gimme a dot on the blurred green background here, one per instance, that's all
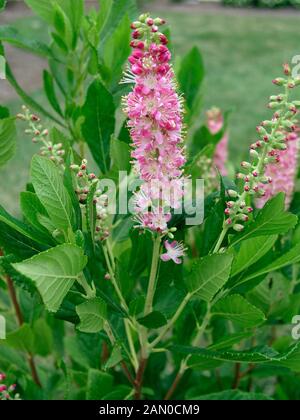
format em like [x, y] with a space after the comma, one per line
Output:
[243, 50]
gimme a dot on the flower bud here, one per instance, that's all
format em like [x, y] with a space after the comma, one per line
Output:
[246, 165]
[158, 21]
[254, 154]
[237, 227]
[287, 69]
[279, 81]
[143, 17]
[232, 193]
[163, 39]
[107, 276]
[149, 21]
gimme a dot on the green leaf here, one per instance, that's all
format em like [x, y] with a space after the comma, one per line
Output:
[21, 339]
[99, 124]
[153, 320]
[209, 274]
[203, 137]
[115, 357]
[43, 8]
[266, 355]
[230, 340]
[120, 155]
[20, 227]
[272, 219]
[63, 26]
[4, 112]
[50, 92]
[213, 227]
[31, 208]
[121, 392]
[92, 315]
[49, 187]
[116, 51]
[237, 309]
[251, 251]
[99, 384]
[191, 75]
[43, 338]
[8, 137]
[290, 257]
[12, 36]
[54, 272]
[117, 10]
[232, 395]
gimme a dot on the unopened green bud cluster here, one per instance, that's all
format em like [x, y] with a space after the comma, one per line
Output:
[272, 137]
[84, 186]
[40, 135]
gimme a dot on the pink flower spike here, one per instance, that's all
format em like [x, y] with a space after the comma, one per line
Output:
[175, 250]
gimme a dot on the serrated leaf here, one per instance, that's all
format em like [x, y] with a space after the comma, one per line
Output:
[154, 320]
[251, 251]
[49, 187]
[237, 309]
[266, 355]
[99, 124]
[8, 137]
[92, 315]
[209, 274]
[54, 272]
[230, 340]
[272, 219]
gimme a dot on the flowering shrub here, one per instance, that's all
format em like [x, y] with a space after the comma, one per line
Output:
[126, 281]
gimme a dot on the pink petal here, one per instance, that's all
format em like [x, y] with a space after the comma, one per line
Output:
[165, 257]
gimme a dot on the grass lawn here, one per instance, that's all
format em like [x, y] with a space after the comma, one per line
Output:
[242, 54]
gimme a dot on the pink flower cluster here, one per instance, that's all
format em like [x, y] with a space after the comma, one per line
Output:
[283, 173]
[154, 110]
[6, 391]
[215, 123]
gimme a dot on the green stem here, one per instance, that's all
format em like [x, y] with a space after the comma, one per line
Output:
[135, 361]
[152, 278]
[113, 279]
[89, 291]
[184, 363]
[221, 239]
[109, 258]
[172, 321]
